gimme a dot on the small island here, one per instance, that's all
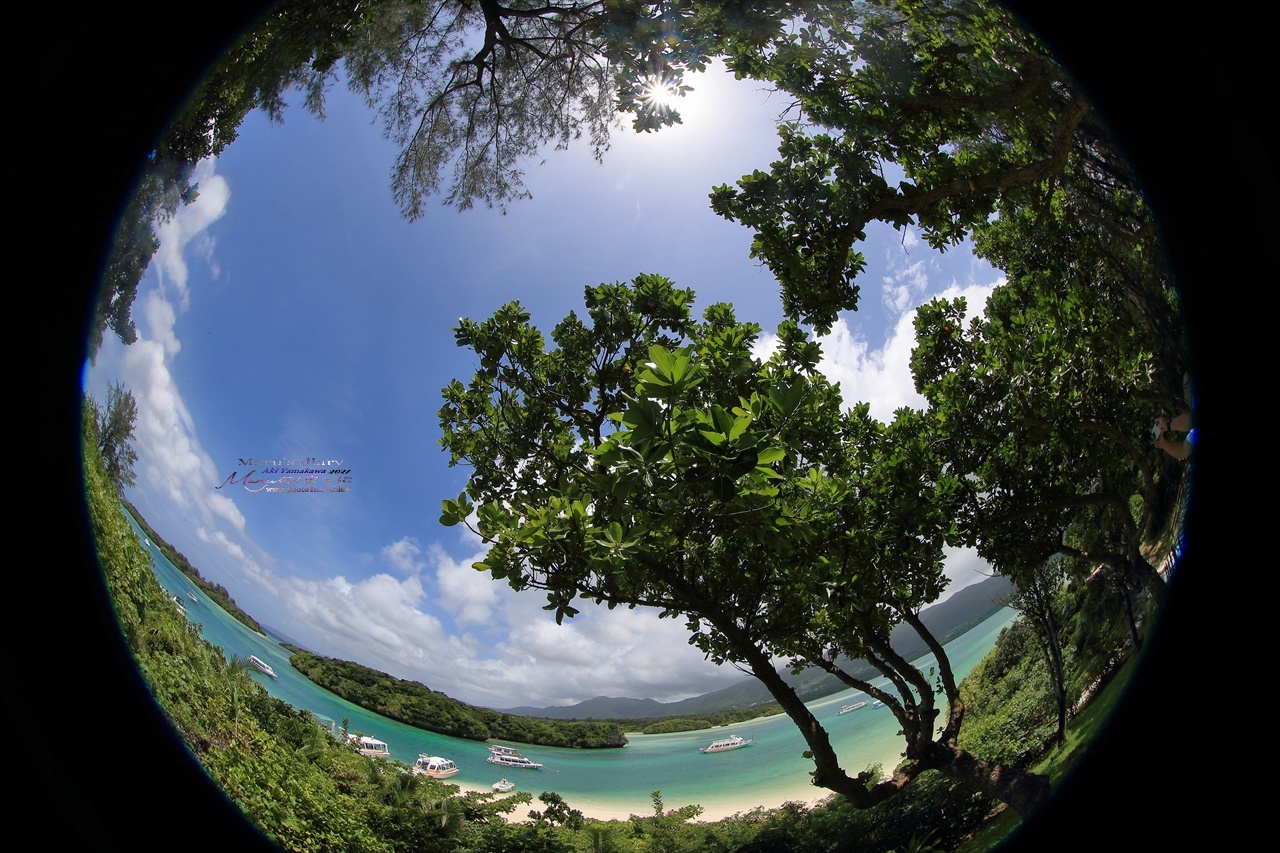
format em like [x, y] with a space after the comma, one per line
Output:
[417, 705]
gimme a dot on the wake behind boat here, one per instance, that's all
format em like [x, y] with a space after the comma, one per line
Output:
[262, 666]
[726, 744]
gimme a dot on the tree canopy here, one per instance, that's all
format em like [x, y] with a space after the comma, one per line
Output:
[113, 433]
[649, 459]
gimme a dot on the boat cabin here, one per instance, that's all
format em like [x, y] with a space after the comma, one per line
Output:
[370, 746]
[435, 766]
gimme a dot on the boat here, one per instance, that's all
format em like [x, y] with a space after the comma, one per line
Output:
[366, 745]
[503, 750]
[726, 744]
[503, 759]
[844, 709]
[261, 665]
[192, 596]
[435, 766]
[877, 704]
[503, 785]
[178, 604]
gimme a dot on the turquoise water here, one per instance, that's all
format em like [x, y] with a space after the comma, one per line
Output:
[609, 782]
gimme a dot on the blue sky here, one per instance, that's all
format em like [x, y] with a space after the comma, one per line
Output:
[291, 312]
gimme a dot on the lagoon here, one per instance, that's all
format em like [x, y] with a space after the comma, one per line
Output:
[609, 783]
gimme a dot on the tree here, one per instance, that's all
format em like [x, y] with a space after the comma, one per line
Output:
[1034, 596]
[481, 86]
[293, 45]
[1045, 406]
[114, 428]
[953, 96]
[650, 460]
[1040, 408]
[485, 86]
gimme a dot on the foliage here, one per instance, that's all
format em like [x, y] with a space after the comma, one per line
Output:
[556, 813]
[113, 432]
[213, 591]
[162, 187]
[1009, 700]
[310, 792]
[485, 87]
[301, 787]
[293, 45]
[952, 94]
[650, 460]
[417, 705]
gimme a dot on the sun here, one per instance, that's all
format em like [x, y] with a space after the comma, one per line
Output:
[660, 94]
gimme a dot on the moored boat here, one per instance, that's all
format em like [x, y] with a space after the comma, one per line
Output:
[261, 666]
[726, 744]
[503, 785]
[844, 709]
[192, 596]
[507, 759]
[371, 746]
[503, 750]
[435, 766]
[877, 704]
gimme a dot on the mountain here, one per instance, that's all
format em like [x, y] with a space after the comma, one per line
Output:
[947, 620]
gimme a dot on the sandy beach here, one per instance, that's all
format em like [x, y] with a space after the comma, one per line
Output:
[714, 807]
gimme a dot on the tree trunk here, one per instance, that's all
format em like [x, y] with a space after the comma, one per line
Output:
[1023, 791]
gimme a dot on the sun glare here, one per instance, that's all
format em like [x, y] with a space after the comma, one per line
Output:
[660, 94]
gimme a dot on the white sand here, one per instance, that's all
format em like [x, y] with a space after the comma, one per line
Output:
[714, 808]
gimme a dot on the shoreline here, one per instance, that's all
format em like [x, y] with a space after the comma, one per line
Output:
[714, 809]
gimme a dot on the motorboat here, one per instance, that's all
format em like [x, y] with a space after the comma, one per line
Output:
[370, 746]
[435, 766]
[504, 759]
[503, 750]
[726, 744]
[192, 596]
[877, 704]
[503, 785]
[844, 709]
[262, 666]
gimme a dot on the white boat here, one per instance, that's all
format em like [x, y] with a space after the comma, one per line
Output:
[503, 785]
[503, 750]
[435, 766]
[504, 759]
[726, 744]
[877, 704]
[262, 666]
[366, 745]
[844, 709]
[192, 596]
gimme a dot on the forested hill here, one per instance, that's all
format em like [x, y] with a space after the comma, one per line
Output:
[214, 591]
[417, 705]
[947, 620]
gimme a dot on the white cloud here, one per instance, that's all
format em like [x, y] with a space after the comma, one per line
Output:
[187, 230]
[402, 555]
[466, 593]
